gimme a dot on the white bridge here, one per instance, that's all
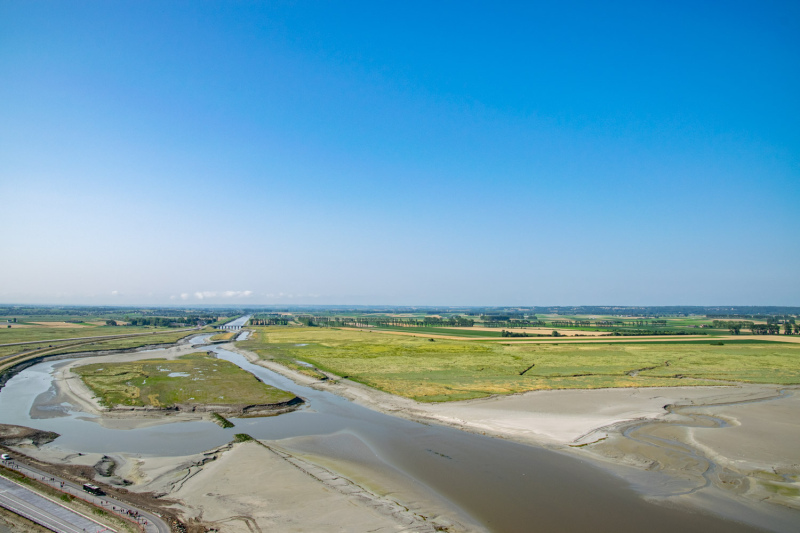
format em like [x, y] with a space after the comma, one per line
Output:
[235, 325]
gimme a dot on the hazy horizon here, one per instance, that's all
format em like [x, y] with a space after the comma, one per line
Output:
[352, 153]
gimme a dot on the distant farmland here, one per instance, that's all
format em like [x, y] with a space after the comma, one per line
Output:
[444, 370]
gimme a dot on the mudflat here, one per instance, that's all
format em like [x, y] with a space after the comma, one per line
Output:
[232, 493]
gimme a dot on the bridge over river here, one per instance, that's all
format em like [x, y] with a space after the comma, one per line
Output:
[235, 325]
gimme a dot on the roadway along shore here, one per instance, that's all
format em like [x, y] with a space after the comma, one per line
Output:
[146, 520]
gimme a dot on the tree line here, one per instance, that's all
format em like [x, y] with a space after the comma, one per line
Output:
[516, 324]
[166, 321]
[771, 328]
[271, 321]
[358, 322]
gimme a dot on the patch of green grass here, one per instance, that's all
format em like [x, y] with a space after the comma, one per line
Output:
[242, 437]
[192, 379]
[222, 421]
[751, 363]
[43, 333]
[781, 490]
[456, 370]
[130, 342]
[161, 336]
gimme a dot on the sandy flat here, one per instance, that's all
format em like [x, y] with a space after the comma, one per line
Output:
[252, 488]
[563, 416]
[744, 439]
[347, 454]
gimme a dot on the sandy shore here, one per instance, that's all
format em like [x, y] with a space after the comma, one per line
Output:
[733, 445]
[267, 486]
[300, 496]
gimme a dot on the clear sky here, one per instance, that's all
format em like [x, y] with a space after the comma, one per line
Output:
[429, 153]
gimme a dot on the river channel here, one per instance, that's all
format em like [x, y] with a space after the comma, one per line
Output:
[504, 486]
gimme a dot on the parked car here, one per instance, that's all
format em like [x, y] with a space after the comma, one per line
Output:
[5, 457]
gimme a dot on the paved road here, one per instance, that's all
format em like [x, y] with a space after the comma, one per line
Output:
[150, 522]
[41, 510]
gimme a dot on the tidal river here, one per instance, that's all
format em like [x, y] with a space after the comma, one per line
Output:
[504, 486]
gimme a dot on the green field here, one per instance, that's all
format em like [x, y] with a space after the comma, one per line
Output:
[453, 332]
[36, 333]
[200, 380]
[161, 336]
[444, 370]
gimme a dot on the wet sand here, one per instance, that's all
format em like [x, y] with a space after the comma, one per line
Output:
[299, 496]
[268, 486]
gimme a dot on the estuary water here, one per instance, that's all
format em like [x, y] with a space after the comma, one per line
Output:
[504, 486]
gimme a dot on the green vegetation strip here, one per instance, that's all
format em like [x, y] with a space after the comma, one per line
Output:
[222, 421]
[224, 336]
[195, 379]
[452, 332]
[75, 346]
[36, 332]
[129, 343]
[448, 370]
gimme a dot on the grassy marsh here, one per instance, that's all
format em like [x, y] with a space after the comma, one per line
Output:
[192, 379]
[446, 370]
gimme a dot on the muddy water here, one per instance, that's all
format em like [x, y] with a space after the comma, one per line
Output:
[502, 485]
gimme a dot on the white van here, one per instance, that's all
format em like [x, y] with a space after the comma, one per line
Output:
[5, 457]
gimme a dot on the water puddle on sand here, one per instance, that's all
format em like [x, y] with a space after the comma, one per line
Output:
[503, 485]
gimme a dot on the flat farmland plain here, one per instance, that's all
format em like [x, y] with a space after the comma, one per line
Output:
[445, 370]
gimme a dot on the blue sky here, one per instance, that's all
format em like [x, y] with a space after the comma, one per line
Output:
[374, 153]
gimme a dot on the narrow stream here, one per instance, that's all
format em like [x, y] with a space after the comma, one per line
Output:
[505, 486]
